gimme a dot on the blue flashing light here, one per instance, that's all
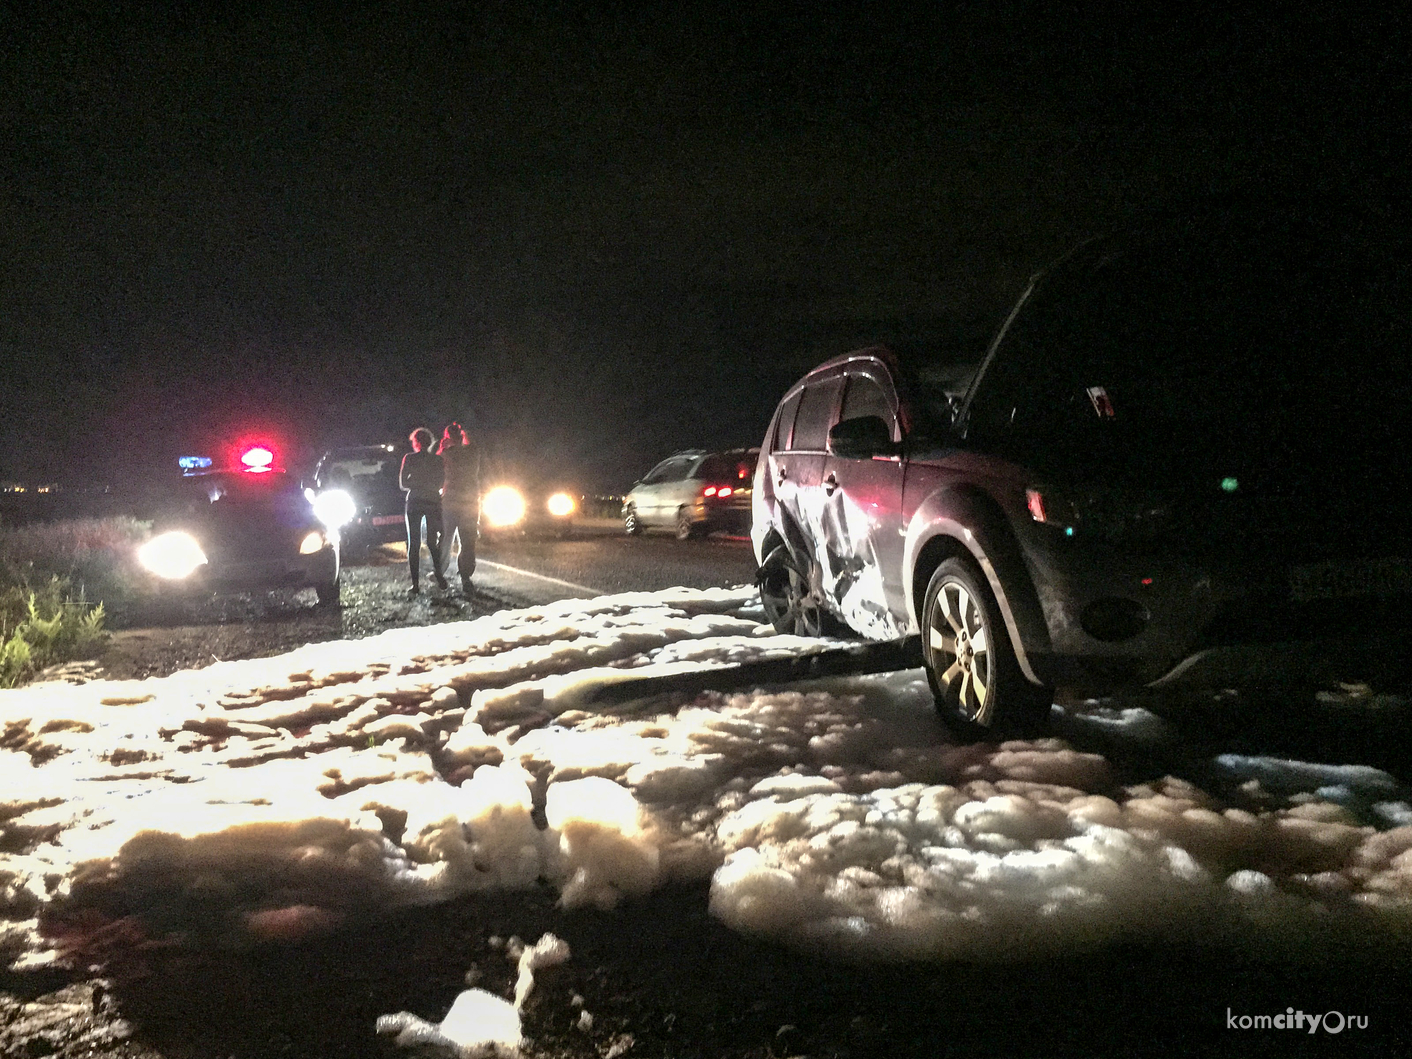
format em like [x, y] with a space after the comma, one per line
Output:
[1068, 531]
[193, 463]
[1229, 485]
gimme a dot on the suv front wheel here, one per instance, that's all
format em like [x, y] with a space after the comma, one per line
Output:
[979, 689]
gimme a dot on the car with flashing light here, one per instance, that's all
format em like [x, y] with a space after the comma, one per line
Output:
[354, 488]
[246, 527]
[694, 492]
[1177, 468]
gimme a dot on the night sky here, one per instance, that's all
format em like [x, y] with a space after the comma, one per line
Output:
[593, 234]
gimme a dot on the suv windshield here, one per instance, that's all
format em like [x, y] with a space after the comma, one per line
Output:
[1166, 362]
[358, 469]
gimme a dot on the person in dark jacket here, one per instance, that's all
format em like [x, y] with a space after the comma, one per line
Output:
[421, 478]
[460, 501]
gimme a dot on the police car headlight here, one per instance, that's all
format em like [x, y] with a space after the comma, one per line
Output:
[561, 505]
[313, 542]
[503, 506]
[334, 508]
[172, 555]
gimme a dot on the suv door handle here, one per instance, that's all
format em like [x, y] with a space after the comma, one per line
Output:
[780, 476]
[830, 484]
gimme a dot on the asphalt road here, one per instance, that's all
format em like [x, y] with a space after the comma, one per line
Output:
[600, 558]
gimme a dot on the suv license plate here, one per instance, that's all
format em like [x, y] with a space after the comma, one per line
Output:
[1358, 577]
[386, 520]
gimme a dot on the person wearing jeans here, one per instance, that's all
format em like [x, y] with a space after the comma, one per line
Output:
[421, 479]
[460, 500]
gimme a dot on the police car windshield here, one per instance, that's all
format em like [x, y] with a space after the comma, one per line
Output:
[244, 488]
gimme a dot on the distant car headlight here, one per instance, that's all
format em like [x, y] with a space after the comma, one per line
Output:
[313, 542]
[334, 508]
[561, 505]
[172, 555]
[503, 506]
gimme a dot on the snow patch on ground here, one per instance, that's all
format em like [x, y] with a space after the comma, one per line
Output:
[282, 797]
[478, 1024]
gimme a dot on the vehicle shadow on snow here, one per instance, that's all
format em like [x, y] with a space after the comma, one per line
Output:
[1144, 737]
[660, 977]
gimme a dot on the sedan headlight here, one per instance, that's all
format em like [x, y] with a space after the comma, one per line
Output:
[560, 505]
[313, 542]
[503, 506]
[334, 508]
[172, 555]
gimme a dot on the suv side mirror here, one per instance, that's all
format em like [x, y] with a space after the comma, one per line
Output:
[862, 438]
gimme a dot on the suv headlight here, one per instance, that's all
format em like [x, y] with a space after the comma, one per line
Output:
[313, 542]
[560, 505]
[172, 555]
[1104, 513]
[334, 508]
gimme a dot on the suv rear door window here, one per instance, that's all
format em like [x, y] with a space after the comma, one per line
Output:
[811, 425]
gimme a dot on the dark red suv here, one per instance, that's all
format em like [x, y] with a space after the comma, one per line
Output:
[1181, 463]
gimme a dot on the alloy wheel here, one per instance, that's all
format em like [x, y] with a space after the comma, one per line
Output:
[959, 642]
[792, 602]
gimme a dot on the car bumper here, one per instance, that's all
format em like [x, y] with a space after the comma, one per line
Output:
[1116, 620]
[245, 575]
[723, 518]
[380, 529]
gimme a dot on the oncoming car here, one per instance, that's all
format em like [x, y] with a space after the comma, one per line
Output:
[694, 493]
[1176, 469]
[515, 505]
[229, 530]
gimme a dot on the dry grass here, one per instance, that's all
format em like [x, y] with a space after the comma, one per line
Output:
[96, 556]
[54, 580]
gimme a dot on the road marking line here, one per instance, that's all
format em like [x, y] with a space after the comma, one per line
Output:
[541, 577]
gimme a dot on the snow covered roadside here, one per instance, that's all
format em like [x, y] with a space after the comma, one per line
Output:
[275, 798]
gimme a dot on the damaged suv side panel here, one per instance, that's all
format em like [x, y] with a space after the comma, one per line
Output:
[1180, 464]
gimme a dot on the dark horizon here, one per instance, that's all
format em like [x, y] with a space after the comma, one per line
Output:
[597, 236]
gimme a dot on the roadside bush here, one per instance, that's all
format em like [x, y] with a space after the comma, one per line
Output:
[55, 578]
[96, 556]
[40, 628]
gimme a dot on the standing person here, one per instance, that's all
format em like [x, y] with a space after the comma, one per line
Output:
[461, 500]
[421, 478]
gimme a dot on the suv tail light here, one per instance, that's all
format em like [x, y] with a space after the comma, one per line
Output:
[721, 491]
